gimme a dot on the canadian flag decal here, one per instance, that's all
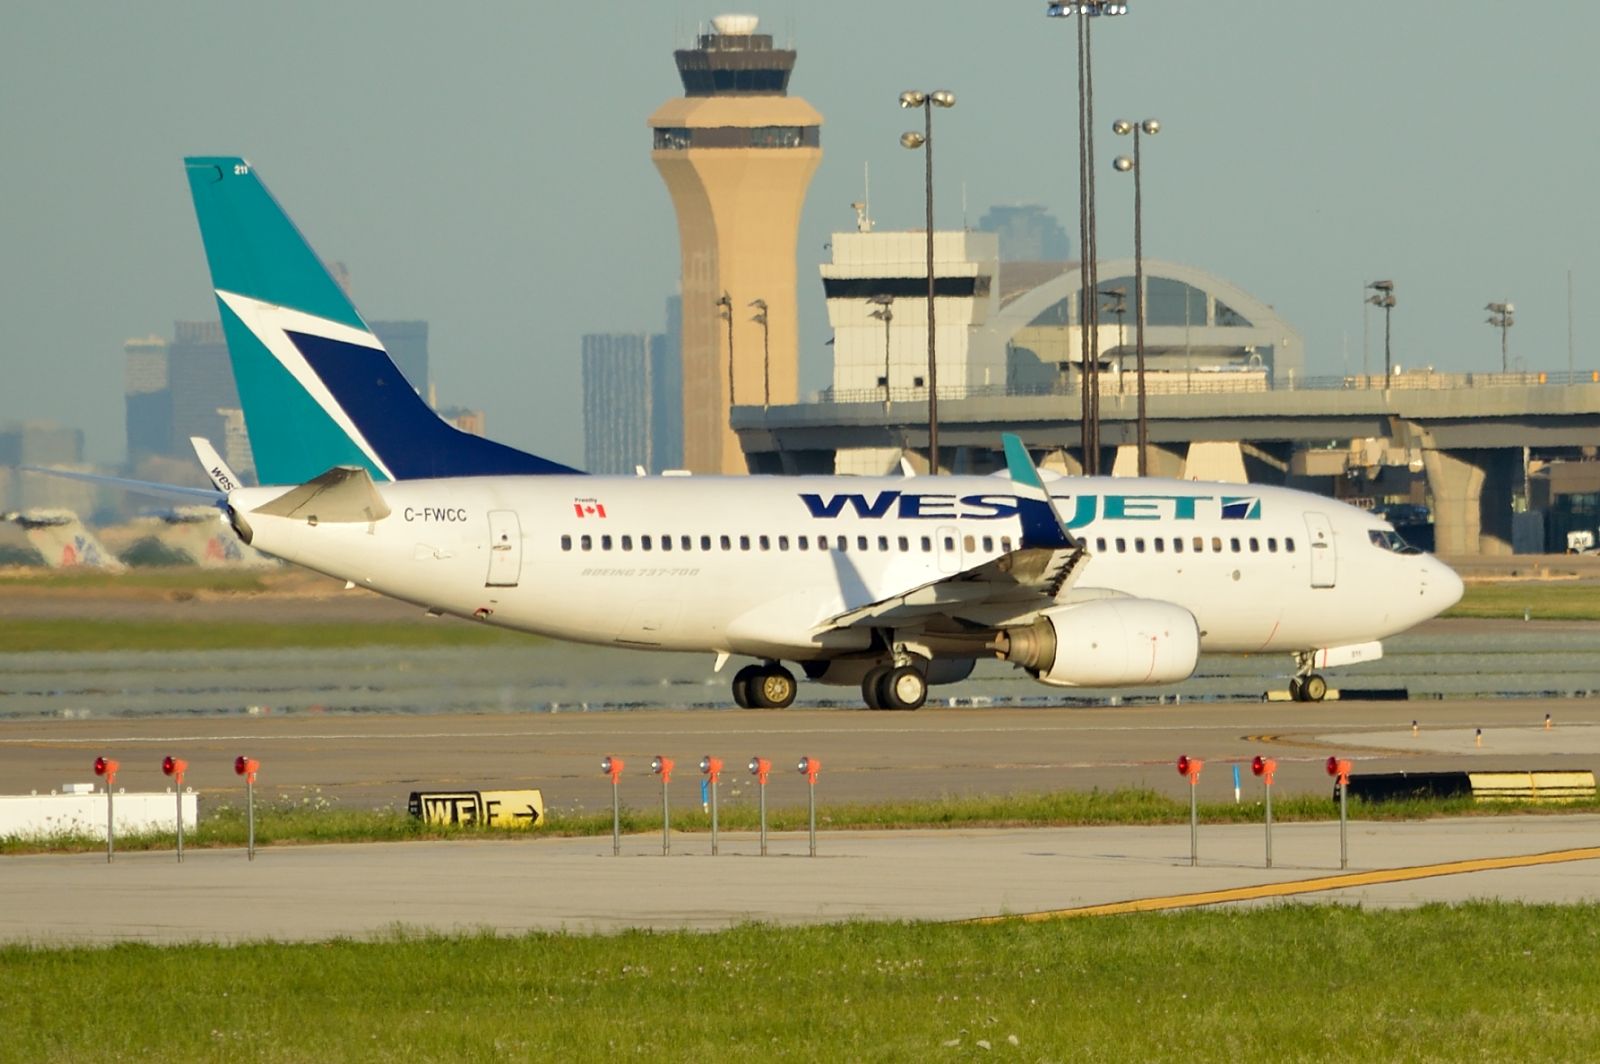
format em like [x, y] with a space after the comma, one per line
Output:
[589, 507]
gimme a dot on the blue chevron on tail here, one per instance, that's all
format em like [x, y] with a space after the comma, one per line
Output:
[317, 387]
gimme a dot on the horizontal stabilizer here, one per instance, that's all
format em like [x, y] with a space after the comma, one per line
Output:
[344, 494]
[194, 496]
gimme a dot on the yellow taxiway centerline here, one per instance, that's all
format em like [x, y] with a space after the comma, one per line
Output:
[1299, 886]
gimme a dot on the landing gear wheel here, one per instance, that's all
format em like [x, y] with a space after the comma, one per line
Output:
[1313, 689]
[871, 685]
[1297, 688]
[773, 687]
[904, 687]
[744, 682]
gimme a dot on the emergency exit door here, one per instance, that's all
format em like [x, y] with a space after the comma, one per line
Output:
[505, 549]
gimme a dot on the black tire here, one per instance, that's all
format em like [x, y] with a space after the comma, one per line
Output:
[772, 688]
[904, 687]
[1297, 688]
[871, 685]
[744, 682]
[1315, 688]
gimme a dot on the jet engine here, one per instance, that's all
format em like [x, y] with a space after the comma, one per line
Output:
[1113, 642]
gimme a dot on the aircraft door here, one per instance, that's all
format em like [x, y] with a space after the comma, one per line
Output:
[949, 548]
[1324, 560]
[505, 549]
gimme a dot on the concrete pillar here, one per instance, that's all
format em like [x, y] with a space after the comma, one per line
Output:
[1472, 498]
[1163, 463]
[1215, 460]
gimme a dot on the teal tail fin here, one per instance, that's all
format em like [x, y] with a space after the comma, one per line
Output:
[317, 387]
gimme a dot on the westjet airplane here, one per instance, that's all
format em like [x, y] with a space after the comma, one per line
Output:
[890, 583]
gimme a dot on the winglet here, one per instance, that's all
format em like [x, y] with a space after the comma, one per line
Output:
[1041, 523]
[223, 477]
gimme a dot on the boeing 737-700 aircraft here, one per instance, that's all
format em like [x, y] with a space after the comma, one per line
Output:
[891, 583]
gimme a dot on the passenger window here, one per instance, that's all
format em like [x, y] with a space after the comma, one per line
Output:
[969, 544]
[783, 542]
[566, 542]
[1138, 545]
[1234, 544]
[927, 544]
[1272, 544]
[666, 542]
[905, 544]
[686, 542]
[1255, 545]
[1199, 545]
[1005, 544]
[705, 542]
[727, 542]
[644, 542]
[861, 543]
[1160, 545]
[744, 542]
[804, 543]
[1122, 545]
[949, 543]
[1100, 544]
[883, 543]
[1177, 544]
[586, 542]
[1288, 544]
[822, 542]
[844, 543]
[605, 542]
[988, 544]
[627, 542]
[1216, 544]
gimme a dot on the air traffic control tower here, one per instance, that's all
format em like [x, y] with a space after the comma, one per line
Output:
[737, 153]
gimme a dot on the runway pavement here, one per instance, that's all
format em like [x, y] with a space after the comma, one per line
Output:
[575, 884]
[376, 760]
[319, 892]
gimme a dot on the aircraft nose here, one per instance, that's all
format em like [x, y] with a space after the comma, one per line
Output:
[1441, 587]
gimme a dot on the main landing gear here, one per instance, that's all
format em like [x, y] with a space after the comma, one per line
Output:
[765, 686]
[1305, 685]
[895, 687]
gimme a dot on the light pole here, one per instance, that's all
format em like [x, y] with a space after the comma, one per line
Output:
[1088, 311]
[924, 140]
[1502, 316]
[760, 318]
[885, 314]
[1383, 296]
[1122, 127]
[725, 310]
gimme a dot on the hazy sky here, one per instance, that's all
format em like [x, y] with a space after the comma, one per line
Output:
[486, 167]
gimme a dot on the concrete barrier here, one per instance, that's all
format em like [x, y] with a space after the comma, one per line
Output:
[84, 813]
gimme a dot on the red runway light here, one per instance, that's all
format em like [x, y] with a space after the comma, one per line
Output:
[1183, 764]
[1257, 765]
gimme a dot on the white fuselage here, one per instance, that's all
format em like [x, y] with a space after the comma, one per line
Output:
[738, 565]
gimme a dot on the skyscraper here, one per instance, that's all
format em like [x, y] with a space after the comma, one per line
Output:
[616, 402]
[737, 153]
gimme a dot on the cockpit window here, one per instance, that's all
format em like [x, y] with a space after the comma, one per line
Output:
[1388, 539]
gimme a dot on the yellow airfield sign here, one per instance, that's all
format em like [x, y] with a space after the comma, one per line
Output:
[494, 809]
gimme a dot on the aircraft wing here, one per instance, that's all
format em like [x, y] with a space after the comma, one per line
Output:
[1035, 575]
[1021, 582]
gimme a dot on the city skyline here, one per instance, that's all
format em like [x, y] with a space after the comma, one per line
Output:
[474, 170]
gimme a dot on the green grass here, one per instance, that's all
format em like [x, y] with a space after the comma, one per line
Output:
[313, 819]
[1492, 982]
[72, 634]
[1537, 601]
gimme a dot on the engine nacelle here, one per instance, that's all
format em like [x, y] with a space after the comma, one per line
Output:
[1113, 642]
